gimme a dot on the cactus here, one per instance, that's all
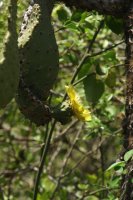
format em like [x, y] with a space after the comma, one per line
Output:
[9, 65]
[39, 62]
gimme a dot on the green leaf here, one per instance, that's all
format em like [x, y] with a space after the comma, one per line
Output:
[117, 164]
[48, 184]
[111, 79]
[87, 67]
[94, 88]
[128, 155]
[85, 70]
[72, 25]
[76, 15]
[92, 197]
[110, 56]
[115, 24]
[101, 70]
[44, 195]
[82, 186]
[62, 14]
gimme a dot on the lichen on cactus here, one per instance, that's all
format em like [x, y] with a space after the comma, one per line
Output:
[9, 65]
[39, 62]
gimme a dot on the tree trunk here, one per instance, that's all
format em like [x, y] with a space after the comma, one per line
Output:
[127, 183]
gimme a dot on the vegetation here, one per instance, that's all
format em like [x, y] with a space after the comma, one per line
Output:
[82, 162]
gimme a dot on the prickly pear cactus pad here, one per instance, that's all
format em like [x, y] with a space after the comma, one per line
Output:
[9, 65]
[39, 61]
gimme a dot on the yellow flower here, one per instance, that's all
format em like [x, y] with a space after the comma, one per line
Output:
[78, 109]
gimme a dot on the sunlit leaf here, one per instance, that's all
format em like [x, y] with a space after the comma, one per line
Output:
[117, 164]
[128, 155]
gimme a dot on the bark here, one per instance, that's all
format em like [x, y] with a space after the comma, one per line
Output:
[127, 184]
[106, 7]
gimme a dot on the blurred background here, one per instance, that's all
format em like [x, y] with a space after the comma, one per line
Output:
[80, 152]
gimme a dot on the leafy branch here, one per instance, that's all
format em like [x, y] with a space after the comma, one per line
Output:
[48, 139]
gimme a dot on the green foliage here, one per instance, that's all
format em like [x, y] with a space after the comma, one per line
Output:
[117, 164]
[128, 155]
[115, 24]
[94, 88]
[80, 153]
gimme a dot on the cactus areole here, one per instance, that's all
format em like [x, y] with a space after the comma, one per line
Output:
[39, 63]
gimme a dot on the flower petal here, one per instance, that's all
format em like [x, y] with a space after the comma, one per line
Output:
[80, 112]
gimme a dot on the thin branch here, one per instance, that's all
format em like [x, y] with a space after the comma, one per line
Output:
[104, 50]
[45, 138]
[12, 173]
[61, 176]
[60, 137]
[43, 159]
[101, 149]
[85, 54]
[53, 156]
[87, 51]
[84, 77]
[82, 159]
[46, 147]
[88, 193]
[65, 162]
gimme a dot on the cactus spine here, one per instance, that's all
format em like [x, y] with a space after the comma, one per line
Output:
[9, 65]
[39, 61]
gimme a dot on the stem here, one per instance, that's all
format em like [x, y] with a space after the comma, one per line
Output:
[1, 194]
[45, 138]
[48, 139]
[83, 78]
[43, 159]
[85, 55]
[68, 154]
[104, 50]
[87, 51]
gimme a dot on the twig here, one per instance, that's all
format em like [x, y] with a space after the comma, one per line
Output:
[53, 157]
[104, 50]
[43, 159]
[84, 77]
[45, 151]
[45, 138]
[56, 93]
[86, 54]
[65, 163]
[20, 171]
[82, 159]
[87, 51]
[59, 137]
[101, 149]
[88, 193]
[60, 29]
[93, 55]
